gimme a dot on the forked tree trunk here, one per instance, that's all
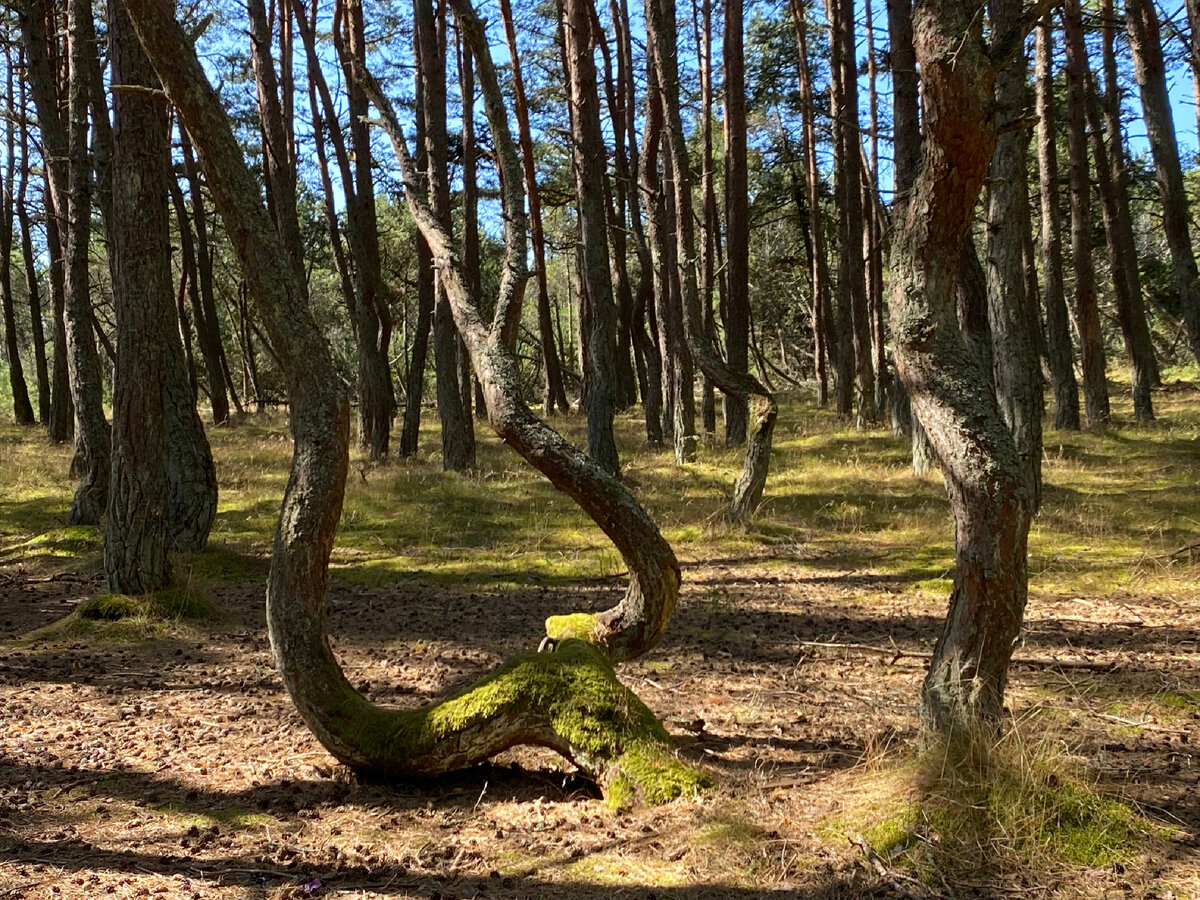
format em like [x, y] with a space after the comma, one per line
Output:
[989, 498]
[568, 700]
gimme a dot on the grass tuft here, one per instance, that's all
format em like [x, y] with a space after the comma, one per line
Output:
[977, 808]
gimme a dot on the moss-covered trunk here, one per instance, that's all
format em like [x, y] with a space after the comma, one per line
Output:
[568, 700]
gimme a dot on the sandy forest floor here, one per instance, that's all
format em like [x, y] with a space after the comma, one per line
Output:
[169, 762]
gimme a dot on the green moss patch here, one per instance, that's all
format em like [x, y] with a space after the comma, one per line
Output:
[580, 626]
[569, 699]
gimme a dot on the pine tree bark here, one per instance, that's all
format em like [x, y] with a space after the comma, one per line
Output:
[647, 350]
[736, 307]
[988, 493]
[661, 41]
[1059, 356]
[22, 408]
[1141, 23]
[853, 315]
[371, 318]
[1143, 346]
[32, 285]
[597, 309]
[1018, 376]
[93, 437]
[136, 537]
[208, 324]
[1087, 314]
[555, 394]
[818, 265]
[458, 436]
[1126, 306]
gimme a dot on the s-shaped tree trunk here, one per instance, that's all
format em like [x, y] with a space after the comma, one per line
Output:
[989, 497]
[568, 700]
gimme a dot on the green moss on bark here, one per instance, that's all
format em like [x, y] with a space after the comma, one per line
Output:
[581, 626]
[569, 700]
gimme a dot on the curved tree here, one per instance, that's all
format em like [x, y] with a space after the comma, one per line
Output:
[990, 498]
[568, 700]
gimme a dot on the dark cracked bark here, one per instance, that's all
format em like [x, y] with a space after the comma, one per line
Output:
[989, 498]
[567, 700]
[136, 537]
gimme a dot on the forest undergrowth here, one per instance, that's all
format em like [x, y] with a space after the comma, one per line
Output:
[147, 746]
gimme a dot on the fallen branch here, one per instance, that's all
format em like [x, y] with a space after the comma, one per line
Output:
[1036, 662]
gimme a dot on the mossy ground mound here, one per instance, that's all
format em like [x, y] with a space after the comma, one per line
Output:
[169, 604]
[979, 808]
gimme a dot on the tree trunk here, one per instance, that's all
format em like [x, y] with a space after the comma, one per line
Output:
[93, 437]
[818, 270]
[566, 700]
[876, 229]
[676, 364]
[1087, 315]
[643, 305]
[1143, 347]
[1018, 376]
[458, 436]
[988, 494]
[597, 318]
[737, 224]
[372, 320]
[661, 41]
[136, 538]
[854, 320]
[555, 393]
[1059, 358]
[208, 325]
[1141, 23]
[22, 408]
[1139, 372]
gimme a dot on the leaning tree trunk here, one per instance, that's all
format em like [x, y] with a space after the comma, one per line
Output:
[568, 700]
[989, 497]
